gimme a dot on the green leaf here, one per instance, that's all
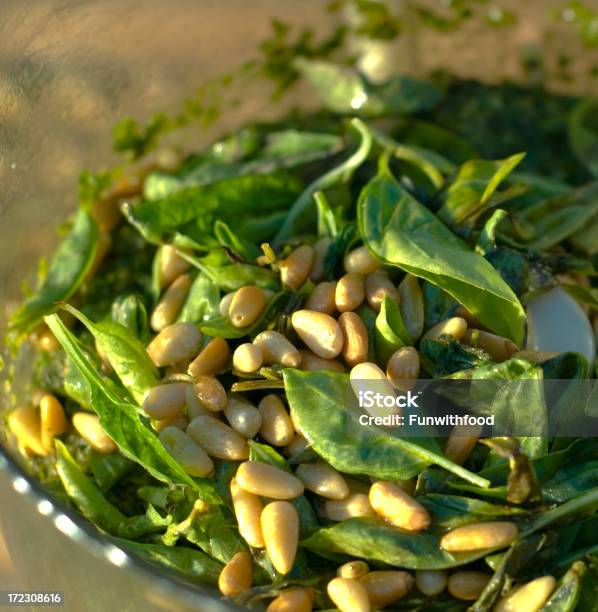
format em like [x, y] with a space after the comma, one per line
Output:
[108, 469]
[126, 354]
[202, 301]
[447, 356]
[318, 402]
[391, 333]
[583, 133]
[294, 146]
[66, 273]
[326, 220]
[228, 239]
[568, 590]
[487, 238]
[402, 232]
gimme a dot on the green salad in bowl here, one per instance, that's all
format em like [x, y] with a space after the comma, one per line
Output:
[198, 336]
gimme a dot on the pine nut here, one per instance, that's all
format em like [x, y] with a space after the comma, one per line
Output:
[218, 439]
[247, 305]
[367, 376]
[248, 509]
[472, 321]
[89, 428]
[322, 298]
[248, 358]
[497, 534]
[165, 401]
[277, 349]
[320, 251]
[180, 421]
[280, 526]
[297, 445]
[412, 306]
[52, 421]
[106, 213]
[46, 341]
[168, 308]
[348, 595]
[357, 486]
[295, 269]
[193, 459]
[171, 265]
[237, 575]
[353, 569]
[461, 442]
[377, 285]
[268, 481]
[356, 504]
[277, 427]
[360, 261]
[499, 348]
[403, 368]
[175, 343]
[210, 392]
[24, 423]
[319, 331]
[386, 587]
[455, 327]
[350, 292]
[529, 597]
[323, 480]
[194, 407]
[399, 508]
[225, 302]
[242, 416]
[355, 338]
[467, 585]
[431, 582]
[313, 363]
[293, 600]
[212, 359]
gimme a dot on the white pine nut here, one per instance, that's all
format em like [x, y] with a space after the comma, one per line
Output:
[247, 305]
[496, 534]
[225, 302]
[297, 445]
[412, 306]
[180, 421]
[322, 298]
[387, 586]
[397, 507]
[237, 575]
[323, 480]
[89, 428]
[529, 597]
[377, 285]
[168, 308]
[193, 459]
[210, 392]
[455, 327]
[280, 526]
[268, 481]
[171, 265]
[277, 349]
[353, 569]
[194, 407]
[403, 368]
[212, 359]
[499, 348]
[355, 338]
[313, 363]
[53, 421]
[248, 358]
[175, 343]
[431, 582]
[367, 376]
[350, 292]
[467, 586]
[356, 504]
[165, 401]
[295, 269]
[277, 427]
[24, 423]
[242, 416]
[360, 261]
[320, 332]
[218, 439]
[349, 595]
[248, 509]
[461, 442]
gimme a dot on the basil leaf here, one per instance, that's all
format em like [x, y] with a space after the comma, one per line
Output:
[487, 238]
[402, 232]
[566, 595]
[129, 310]
[391, 333]
[583, 133]
[318, 406]
[228, 239]
[66, 273]
[202, 301]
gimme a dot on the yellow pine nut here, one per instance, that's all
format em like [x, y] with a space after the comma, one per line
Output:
[280, 526]
[180, 421]
[89, 428]
[248, 509]
[461, 442]
[478, 536]
[398, 507]
[268, 481]
[313, 363]
[455, 327]
[194, 407]
[46, 341]
[106, 213]
[248, 358]
[355, 338]
[237, 575]
[350, 292]
[165, 401]
[386, 587]
[499, 348]
[193, 459]
[218, 439]
[431, 582]
[360, 261]
[322, 480]
[171, 265]
[293, 600]
[320, 332]
[277, 349]
[52, 421]
[353, 569]
[472, 321]
[367, 376]
[277, 427]
[403, 368]
[168, 308]
[412, 306]
[529, 597]
[247, 305]
[377, 285]
[242, 416]
[467, 585]
[322, 298]
[225, 302]
[175, 343]
[349, 595]
[295, 269]
[212, 359]
[297, 445]
[356, 504]
[24, 423]
[320, 251]
[210, 392]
